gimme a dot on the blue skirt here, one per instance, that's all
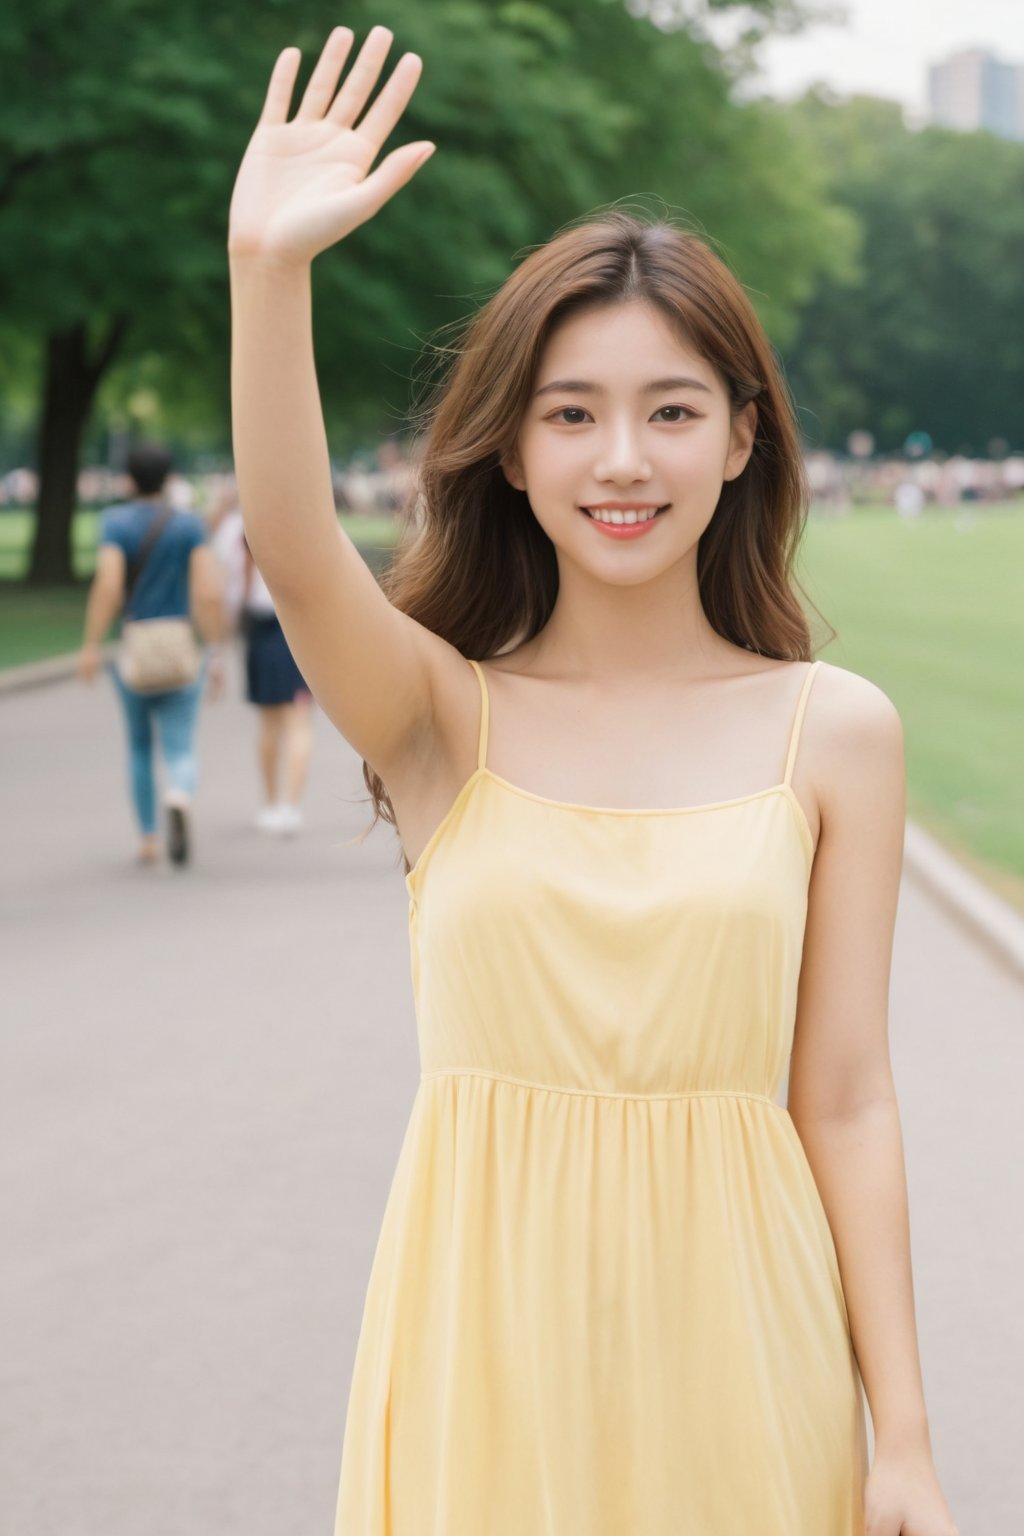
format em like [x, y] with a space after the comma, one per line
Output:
[272, 676]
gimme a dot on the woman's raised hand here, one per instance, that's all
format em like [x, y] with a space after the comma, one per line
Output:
[305, 184]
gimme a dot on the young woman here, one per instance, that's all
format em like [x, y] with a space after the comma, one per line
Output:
[273, 682]
[652, 851]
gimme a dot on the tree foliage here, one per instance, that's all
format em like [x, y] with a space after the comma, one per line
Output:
[922, 332]
[123, 125]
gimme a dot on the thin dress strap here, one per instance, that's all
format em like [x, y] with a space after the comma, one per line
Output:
[481, 754]
[801, 705]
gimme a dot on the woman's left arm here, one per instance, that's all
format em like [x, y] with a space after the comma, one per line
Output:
[842, 1097]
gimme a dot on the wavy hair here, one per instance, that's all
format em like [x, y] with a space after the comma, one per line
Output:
[473, 563]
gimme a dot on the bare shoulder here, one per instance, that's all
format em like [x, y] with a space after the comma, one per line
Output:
[856, 735]
[853, 705]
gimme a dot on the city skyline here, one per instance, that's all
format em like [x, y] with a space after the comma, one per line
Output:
[973, 90]
[887, 48]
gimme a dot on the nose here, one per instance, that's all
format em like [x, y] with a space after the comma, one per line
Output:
[621, 457]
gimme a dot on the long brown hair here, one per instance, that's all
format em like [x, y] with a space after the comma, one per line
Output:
[474, 565]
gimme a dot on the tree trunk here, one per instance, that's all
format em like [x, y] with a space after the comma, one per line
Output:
[68, 392]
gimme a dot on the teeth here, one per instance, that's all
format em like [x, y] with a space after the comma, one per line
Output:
[602, 516]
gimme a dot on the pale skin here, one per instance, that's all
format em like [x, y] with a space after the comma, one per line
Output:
[285, 744]
[626, 698]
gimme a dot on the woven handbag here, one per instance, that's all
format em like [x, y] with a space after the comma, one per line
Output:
[158, 654]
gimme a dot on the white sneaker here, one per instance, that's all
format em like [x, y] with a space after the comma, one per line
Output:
[289, 819]
[267, 820]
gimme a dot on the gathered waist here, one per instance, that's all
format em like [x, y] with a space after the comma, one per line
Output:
[583, 1091]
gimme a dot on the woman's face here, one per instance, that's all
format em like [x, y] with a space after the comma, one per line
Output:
[626, 418]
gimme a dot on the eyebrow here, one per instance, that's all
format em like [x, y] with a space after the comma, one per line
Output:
[584, 387]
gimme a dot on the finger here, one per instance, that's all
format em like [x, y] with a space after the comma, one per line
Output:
[355, 93]
[390, 176]
[392, 101]
[279, 91]
[323, 82]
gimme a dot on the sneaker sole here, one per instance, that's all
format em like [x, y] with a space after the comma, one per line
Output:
[177, 835]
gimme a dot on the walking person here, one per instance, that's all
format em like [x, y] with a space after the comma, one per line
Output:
[155, 566]
[652, 848]
[273, 682]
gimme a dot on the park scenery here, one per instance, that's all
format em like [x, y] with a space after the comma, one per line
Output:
[209, 1018]
[884, 260]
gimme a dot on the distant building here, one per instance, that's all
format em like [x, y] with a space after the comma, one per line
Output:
[974, 90]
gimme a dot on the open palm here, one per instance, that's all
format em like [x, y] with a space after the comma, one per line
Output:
[305, 184]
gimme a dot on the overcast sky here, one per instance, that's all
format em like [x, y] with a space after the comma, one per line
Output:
[886, 46]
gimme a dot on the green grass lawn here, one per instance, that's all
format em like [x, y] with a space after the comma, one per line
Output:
[930, 609]
[36, 624]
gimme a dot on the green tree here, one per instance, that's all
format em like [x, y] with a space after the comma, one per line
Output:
[123, 125]
[921, 333]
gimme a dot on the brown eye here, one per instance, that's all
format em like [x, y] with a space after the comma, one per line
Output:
[685, 409]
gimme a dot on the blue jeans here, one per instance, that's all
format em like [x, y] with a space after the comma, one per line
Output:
[176, 714]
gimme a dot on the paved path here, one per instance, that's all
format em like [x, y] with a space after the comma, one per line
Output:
[204, 1082]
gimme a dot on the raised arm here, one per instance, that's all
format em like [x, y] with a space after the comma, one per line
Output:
[302, 186]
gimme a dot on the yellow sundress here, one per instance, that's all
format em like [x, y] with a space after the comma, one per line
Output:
[605, 1299]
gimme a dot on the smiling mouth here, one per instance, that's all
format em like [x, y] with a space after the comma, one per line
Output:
[620, 515]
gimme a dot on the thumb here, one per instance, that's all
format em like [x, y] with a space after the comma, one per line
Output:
[390, 176]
